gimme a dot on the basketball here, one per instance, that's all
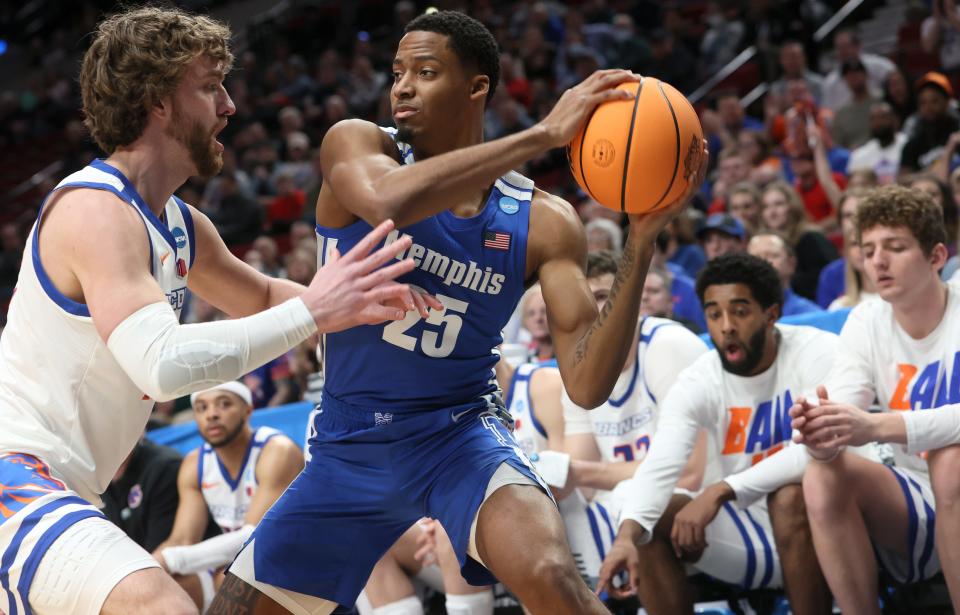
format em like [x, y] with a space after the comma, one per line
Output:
[638, 155]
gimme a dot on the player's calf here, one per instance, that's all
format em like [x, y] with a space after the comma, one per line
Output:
[662, 583]
[803, 580]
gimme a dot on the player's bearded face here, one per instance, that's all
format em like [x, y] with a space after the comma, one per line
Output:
[198, 140]
[750, 353]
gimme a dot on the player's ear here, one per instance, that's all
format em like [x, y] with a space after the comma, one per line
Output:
[479, 86]
[163, 109]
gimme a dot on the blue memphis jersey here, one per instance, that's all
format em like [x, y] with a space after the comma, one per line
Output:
[476, 268]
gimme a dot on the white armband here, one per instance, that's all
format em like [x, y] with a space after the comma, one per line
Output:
[207, 555]
[553, 467]
[168, 360]
[928, 430]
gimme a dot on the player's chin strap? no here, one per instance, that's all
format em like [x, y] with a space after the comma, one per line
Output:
[553, 467]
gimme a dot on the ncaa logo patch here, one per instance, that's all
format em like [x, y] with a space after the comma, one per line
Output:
[509, 205]
[135, 497]
[180, 237]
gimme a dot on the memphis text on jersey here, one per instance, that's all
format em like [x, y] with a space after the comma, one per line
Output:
[452, 272]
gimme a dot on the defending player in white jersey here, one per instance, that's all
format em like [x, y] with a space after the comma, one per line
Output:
[741, 393]
[93, 336]
[236, 475]
[902, 350]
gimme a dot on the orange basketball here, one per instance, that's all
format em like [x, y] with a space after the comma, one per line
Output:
[639, 154]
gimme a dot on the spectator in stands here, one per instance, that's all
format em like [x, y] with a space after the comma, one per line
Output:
[773, 249]
[726, 121]
[941, 194]
[846, 46]
[683, 249]
[851, 122]
[272, 384]
[287, 206]
[764, 165]
[603, 234]
[534, 319]
[631, 50]
[881, 154]
[862, 178]
[743, 203]
[935, 123]
[722, 234]
[238, 218]
[296, 163]
[898, 93]
[813, 192]
[833, 278]
[686, 305]
[732, 168]
[270, 254]
[793, 65]
[940, 34]
[783, 213]
[142, 497]
[723, 38]
[657, 300]
[671, 62]
[366, 84]
[11, 253]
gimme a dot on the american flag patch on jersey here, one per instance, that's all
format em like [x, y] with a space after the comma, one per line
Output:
[498, 240]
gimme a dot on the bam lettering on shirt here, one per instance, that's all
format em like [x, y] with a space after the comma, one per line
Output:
[452, 272]
[930, 387]
[759, 431]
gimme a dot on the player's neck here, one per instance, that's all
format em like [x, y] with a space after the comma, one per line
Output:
[466, 135]
[155, 177]
[919, 314]
[233, 454]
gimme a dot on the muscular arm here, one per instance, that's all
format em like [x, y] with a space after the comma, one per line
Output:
[279, 463]
[191, 520]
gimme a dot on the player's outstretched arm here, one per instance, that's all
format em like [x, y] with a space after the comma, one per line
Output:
[374, 186]
[592, 347]
[166, 359]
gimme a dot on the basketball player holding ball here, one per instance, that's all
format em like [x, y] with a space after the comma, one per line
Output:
[411, 423]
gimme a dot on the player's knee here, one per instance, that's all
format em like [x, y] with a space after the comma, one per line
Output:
[822, 491]
[944, 480]
[556, 571]
[786, 505]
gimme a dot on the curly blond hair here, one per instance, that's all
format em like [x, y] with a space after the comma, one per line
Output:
[137, 58]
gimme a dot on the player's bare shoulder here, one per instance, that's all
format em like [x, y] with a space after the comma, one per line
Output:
[555, 231]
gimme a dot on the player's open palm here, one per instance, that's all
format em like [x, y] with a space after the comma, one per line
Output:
[571, 111]
[357, 289]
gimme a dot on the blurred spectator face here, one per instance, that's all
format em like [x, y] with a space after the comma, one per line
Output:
[845, 47]
[931, 104]
[928, 187]
[300, 230]
[718, 243]
[776, 210]
[744, 208]
[862, 178]
[301, 267]
[600, 287]
[749, 148]
[623, 27]
[798, 92]
[773, 250]
[656, 299]
[792, 60]
[221, 416]
[598, 239]
[734, 169]
[883, 123]
[267, 247]
[290, 119]
[535, 315]
[591, 210]
[335, 109]
[856, 80]
[10, 238]
[285, 185]
[731, 113]
[255, 259]
[803, 166]
[897, 86]
[298, 146]
[848, 217]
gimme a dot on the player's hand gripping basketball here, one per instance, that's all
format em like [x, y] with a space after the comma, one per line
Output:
[655, 221]
[356, 289]
[571, 111]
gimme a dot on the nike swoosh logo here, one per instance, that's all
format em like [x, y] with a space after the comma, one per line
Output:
[208, 485]
[163, 257]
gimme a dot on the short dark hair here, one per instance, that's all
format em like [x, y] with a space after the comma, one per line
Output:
[470, 40]
[741, 268]
[600, 262]
[896, 206]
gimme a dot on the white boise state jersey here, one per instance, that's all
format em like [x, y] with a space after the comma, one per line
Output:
[746, 417]
[228, 497]
[879, 361]
[624, 425]
[63, 396]
[527, 430]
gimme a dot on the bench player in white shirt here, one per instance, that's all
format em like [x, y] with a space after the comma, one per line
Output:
[235, 476]
[741, 393]
[902, 350]
[93, 337]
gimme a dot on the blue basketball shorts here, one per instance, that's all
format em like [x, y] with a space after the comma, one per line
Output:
[370, 476]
